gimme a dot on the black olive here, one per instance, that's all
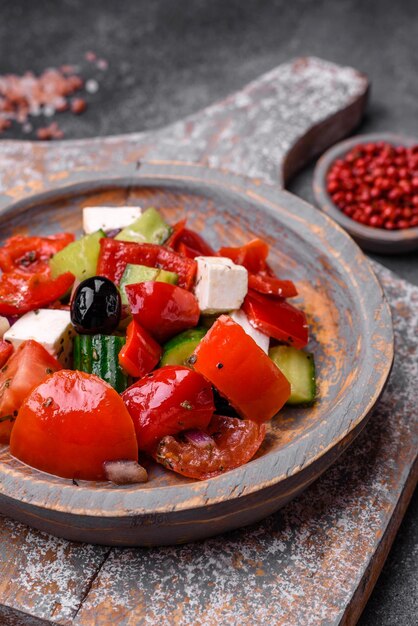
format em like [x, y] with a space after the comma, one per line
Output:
[96, 306]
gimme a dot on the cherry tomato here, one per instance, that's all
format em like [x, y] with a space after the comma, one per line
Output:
[252, 255]
[162, 309]
[229, 443]
[171, 399]
[21, 293]
[29, 255]
[141, 352]
[71, 424]
[277, 318]
[270, 285]
[188, 242]
[115, 254]
[241, 371]
[6, 350]
[26, 368]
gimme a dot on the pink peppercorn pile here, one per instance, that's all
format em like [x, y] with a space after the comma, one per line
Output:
[376, 184]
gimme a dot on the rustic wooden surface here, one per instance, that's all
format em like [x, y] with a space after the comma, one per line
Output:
[309, 560]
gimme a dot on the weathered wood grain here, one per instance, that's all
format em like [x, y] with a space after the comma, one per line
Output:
[303, 565]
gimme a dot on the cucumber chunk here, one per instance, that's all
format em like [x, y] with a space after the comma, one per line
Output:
[134, 274]
[299, 369]
[79, 257]
[149, 228]
[98, 354]
[181, 347]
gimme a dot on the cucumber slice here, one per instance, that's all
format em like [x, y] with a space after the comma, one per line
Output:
[79, 257]
[181, 347]
[149, 228]
[98, 354]
[134, 274]
[299, 369]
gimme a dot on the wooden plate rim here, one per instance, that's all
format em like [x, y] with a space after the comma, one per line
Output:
[39, 488]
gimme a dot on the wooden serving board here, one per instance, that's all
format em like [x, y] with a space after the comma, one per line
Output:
[316, 561]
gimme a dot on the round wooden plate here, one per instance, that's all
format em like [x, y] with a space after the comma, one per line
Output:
[351, 336]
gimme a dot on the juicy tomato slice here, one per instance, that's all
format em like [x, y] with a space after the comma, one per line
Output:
[22, 293]
[230, 442]
[6, 350]
[29, 255]
[115, 254]
[26, 368]
[141, 352]
[162, 309]
[171, 399]
[188, 242]
[277, 318]
[272, 286]
[241, 371]
[252, 255]
[71, 424]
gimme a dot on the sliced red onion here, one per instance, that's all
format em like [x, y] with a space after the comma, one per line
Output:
[125, 472]
[110, 234]
[198, 438]
[12, 319]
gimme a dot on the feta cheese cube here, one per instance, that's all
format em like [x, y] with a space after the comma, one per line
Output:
[108, 217]
[221, 285]
[51, 328]
[4, 325]
[262, 340]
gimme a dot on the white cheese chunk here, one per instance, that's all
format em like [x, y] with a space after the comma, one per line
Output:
[221, 285]
[4, 325]
[260, 338]
[108, 217]
[51, 328]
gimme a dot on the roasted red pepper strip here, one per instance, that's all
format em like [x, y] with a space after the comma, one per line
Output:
[277, 318]
[236, 366]
[252, 255]
[272, 286]
[21, 293]
[187, 241]
[114, 256]
[30, 255]
[141, 352]
[6, 350]
[164, 310]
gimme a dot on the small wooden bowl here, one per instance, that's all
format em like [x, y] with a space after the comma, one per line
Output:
[372, 239]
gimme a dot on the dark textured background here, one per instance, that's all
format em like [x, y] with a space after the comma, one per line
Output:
[169, 58]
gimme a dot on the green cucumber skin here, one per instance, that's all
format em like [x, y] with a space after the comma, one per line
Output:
[98, 354]
[181, 347]
[303, 380]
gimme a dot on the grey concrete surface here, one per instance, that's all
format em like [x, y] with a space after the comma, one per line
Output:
[168, 58]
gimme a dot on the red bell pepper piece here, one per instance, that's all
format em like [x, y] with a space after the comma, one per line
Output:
[164, 310]
[240, 370]
[277, 318]
[6, 350]
[29, 255]
[252, 255]
[20, 293]
[188, 242]
[272, 286]
[115, 254]
[169, 400]
[141, 352]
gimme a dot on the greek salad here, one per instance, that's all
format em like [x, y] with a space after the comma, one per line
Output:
[140, 341]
